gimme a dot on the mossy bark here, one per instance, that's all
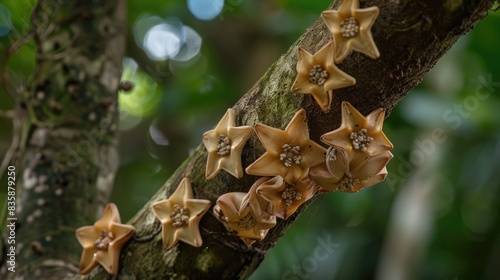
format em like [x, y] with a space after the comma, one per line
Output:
[69, 132]
[411, 37]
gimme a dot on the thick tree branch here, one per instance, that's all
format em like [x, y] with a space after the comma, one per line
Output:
[411, 36]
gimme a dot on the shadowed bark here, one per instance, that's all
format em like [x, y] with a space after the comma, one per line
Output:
[411, 37]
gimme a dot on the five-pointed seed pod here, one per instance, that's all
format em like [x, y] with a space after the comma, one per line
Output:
[286, 198]
[245, 214]
[224, 144]
[180, 215]
[371, 172]
[261, 206]
[358, 137]
[331, 170]
[103, 241]
[351, 29]
[318, 75]
[289, 153]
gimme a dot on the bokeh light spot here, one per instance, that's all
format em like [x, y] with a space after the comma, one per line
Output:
[205, 9]
[157, 135]
[128, 121]
[191, 46]
[145, 95]
[162, 41]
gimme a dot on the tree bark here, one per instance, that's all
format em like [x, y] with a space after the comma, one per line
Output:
[69, 140]
[411, 37]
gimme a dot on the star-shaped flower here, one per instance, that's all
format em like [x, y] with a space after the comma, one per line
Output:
[371, 172]
[180, 215]
[261, 206]
[103, 241]
[286, 198]
[318, 75]
[224, 144]
[358, 137]
[288, 153]
[245, 214]
[351, 29]
[331, 170]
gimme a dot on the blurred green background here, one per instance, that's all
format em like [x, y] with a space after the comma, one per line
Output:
[436, 215]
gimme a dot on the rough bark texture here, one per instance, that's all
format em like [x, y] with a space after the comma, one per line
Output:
[411, 36]
[70, 115]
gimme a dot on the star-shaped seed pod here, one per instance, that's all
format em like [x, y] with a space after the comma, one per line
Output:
[224, 144]
[358, 137]
[318, 75]
[245, 214]
[289, 153]
[372, 172]
[331, 170]
[261, 206]
[351, 29]
[103, 241]
[180, 216]
[286, 198]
